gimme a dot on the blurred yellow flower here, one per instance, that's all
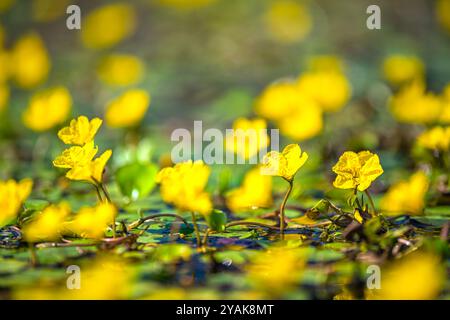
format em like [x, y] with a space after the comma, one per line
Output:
[400, 69]
[5, 5]
[304, 123]
[184, 186]
[357, 170]
[185, 4]
[107, 278]
[436, 138]
[80, 131]
[406, 196]
[120, 70]
[279, 100]
[284, 164]
[47, 225]
[249, 136]
[413, 105]
[12, 196]
[47, 109]
[277, 270]
[255, 192]
[418, 276]
[443, 13]
[108, 25]
[128, 109]
[298, 116]
[4, 96]
[326, 63]
[48, 10]
[330, 89]
[92, 222]
[104, 278]
[30, 62]
[288, 21]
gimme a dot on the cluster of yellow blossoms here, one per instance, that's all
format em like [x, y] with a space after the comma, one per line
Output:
[297, 107]
[79, 159]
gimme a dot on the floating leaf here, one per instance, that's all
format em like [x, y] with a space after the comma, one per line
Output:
[136, 180]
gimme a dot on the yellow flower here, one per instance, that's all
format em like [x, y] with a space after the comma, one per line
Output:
[76, 156]
[184, 186]
[298, 116]
[357, 170]
[120, 70]
[47, 109]
[81, 163]
[255, 192]
[48, 10]
[277, 270]
[104, 278]
[279, 100]
[443, 13]
[330, 89]
[413, 105]
[406, 196]
[284, 164]
[288, 21]
[80, 131]
[12, 196]
[249, 136]
[128, 109]
[304, 123]
[400, 69]
[326, 63]
[4, 97]
[30, 63]
[91, 222]
[418, 276]
[93, 171]
[436, 138]
[48, 224]
[106, 26]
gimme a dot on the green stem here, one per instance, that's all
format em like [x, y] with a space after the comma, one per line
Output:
[108, 200]
[144, 220]
[33, 256]
[372, 204]
[99, 196]
[197, 231]
[282, 208]
[205, 238]
[249, 223]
